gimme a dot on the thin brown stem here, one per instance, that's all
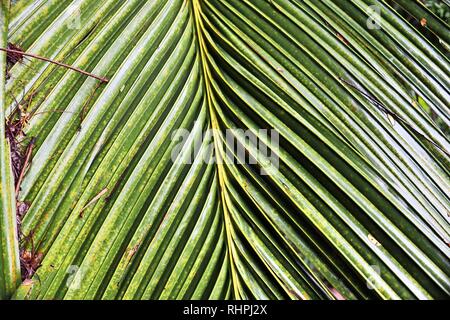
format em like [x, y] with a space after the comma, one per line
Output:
[25, 164]
[94, 200]
[102, 79]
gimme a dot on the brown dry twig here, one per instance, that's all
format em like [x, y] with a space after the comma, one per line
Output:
[16, 54]
[25, 163]
[93, 200]
[12, 130]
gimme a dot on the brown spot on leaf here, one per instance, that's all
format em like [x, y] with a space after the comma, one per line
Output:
[132, 251]
[342, 38]
[373, 240]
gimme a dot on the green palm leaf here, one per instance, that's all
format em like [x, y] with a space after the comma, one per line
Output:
[9, 247]
[138, 188]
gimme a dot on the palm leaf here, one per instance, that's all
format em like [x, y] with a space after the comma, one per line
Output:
[138, 188]
[9, 247]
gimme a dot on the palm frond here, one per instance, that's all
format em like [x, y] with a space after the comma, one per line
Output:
[138, 188]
